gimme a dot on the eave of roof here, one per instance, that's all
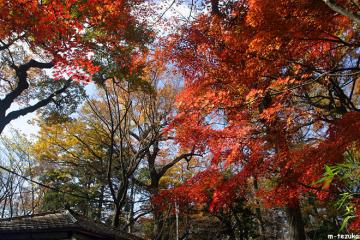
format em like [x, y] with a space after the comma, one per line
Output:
[61, 221]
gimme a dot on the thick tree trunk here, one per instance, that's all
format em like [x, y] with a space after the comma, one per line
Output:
[119, 201]
[116, 218]
[258, 214]
[296, 224]
[118, 207]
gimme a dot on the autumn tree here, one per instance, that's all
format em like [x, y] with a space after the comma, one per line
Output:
[68, 165]
[163, 155]
[270, 87]
[18, 195]
[45, 40]
[94, 152]
[270, 95]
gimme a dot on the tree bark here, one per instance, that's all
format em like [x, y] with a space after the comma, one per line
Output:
[116, 218]
[296, 224]
[341, 10]
[119, 202]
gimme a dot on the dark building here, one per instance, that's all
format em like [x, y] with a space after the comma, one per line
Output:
[63, 225]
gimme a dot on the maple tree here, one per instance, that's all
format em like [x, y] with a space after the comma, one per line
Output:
[270, 106]
[60, 36]
[270, 87]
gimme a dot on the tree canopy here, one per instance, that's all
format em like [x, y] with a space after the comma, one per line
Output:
[240, 117]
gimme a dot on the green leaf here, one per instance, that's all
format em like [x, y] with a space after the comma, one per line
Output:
[329, 171]
[345, 222]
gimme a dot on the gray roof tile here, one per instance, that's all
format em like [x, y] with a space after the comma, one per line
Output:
[63, 220]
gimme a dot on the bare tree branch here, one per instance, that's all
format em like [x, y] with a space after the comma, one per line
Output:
[341, 10]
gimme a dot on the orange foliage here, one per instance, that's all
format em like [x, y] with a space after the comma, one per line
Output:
[66, 32]
[250, 67]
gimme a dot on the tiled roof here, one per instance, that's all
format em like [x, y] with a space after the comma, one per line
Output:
[39, 221]
[64, 220]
